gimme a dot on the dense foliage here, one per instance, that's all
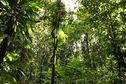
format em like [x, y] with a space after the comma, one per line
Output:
[45, 42]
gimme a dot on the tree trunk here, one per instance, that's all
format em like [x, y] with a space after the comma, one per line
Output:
[55, 25]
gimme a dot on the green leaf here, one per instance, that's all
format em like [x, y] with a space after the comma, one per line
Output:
[61, 35]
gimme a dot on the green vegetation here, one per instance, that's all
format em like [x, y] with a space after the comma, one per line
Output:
[45, 42]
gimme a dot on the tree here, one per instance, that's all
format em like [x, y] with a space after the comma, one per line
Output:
[45, 41]
[17, 18]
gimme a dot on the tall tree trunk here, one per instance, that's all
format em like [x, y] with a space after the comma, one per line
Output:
[55, 25]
